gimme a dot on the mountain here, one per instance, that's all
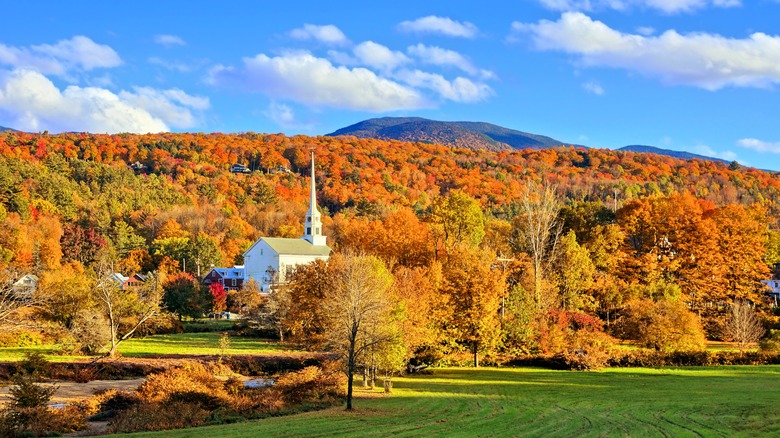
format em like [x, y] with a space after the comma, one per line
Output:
[476, 135]
[4, 129]
[669, 152]
[472, 135]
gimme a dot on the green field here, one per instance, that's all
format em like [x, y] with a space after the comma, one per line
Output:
[201, 344]
[724, 401]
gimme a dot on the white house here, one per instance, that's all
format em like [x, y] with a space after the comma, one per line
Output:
[270, 259]
[25, 286]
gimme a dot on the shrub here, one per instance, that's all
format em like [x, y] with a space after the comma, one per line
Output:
[27, 394]
[665, 325]
[588, 350]
[311, 384]
[108, 404]
[772, 342]
[193, 377]
[21, 338]
[159, 416]
[28, 415]
[35, 364]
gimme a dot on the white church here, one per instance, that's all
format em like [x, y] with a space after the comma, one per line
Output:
[270, 259]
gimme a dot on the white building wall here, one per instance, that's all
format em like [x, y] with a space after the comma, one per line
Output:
[262, 256]
[256, 263]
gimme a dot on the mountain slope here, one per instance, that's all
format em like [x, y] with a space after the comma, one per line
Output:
[4, 129]
[669, 152]
[472, 135]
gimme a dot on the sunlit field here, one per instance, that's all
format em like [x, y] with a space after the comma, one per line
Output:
[189, 344]
[722, 401]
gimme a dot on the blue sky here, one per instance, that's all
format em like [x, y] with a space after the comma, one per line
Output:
[694, 75]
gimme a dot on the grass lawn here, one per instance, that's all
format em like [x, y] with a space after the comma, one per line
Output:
[206, 344]
[723, 401]
[196, 344]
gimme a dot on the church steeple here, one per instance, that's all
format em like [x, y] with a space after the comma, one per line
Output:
[313, 225]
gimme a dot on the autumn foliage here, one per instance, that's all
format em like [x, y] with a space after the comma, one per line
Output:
[688, 237]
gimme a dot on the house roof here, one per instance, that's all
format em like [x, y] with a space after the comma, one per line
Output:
[26, 279]
[293, 246]
[116, 276]
[236, 272]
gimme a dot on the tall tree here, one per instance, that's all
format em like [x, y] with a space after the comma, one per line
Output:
[474, 290]
[537, 230]
[184, 296]
[575, 272]
[357, 311]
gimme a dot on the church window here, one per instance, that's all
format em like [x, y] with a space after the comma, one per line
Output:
[308, 230]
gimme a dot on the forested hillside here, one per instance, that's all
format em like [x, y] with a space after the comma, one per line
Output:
[634, 228]
[472, 135]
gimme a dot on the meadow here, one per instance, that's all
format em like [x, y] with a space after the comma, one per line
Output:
[181, 344]
[717, 401]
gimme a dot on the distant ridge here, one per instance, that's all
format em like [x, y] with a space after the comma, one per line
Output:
[472, 135]
[477, 135]
[669, 152]
[4, 129]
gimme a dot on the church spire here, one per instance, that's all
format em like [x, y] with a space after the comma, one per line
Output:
[313, 225]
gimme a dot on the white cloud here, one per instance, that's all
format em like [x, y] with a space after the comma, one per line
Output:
[593, 87]
[760, 145]
[443, 57]
[77, 53]
[170, 65]
[29, 101]
[328, 34]
[310, 80]
[665, 6]
[378, 56]
[459, 90]
[645, 30]
[440, 25]
[282, 115]
[709, 152]
[704, 60]
[169, 40]
[171, 106]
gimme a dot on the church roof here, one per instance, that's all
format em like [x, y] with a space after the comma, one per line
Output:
[294, 246]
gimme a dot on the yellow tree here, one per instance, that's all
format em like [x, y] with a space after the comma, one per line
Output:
[357, 311]
[474, 290]
[457, 218]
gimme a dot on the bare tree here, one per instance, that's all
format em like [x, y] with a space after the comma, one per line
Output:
[537, 230]
[744, 327]
[357, 311]
[125, 310]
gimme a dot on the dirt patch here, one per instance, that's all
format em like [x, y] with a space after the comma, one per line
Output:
[72, 391]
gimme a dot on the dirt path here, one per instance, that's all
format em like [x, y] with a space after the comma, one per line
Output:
[72, 391]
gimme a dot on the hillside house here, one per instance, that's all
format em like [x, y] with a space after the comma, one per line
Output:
[25, 286]
[239, 168]
[229, 278]
[132, 282]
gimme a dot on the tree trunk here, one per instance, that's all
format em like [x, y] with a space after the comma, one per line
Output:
[350, 371]
[365, 377]
[476, 355]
